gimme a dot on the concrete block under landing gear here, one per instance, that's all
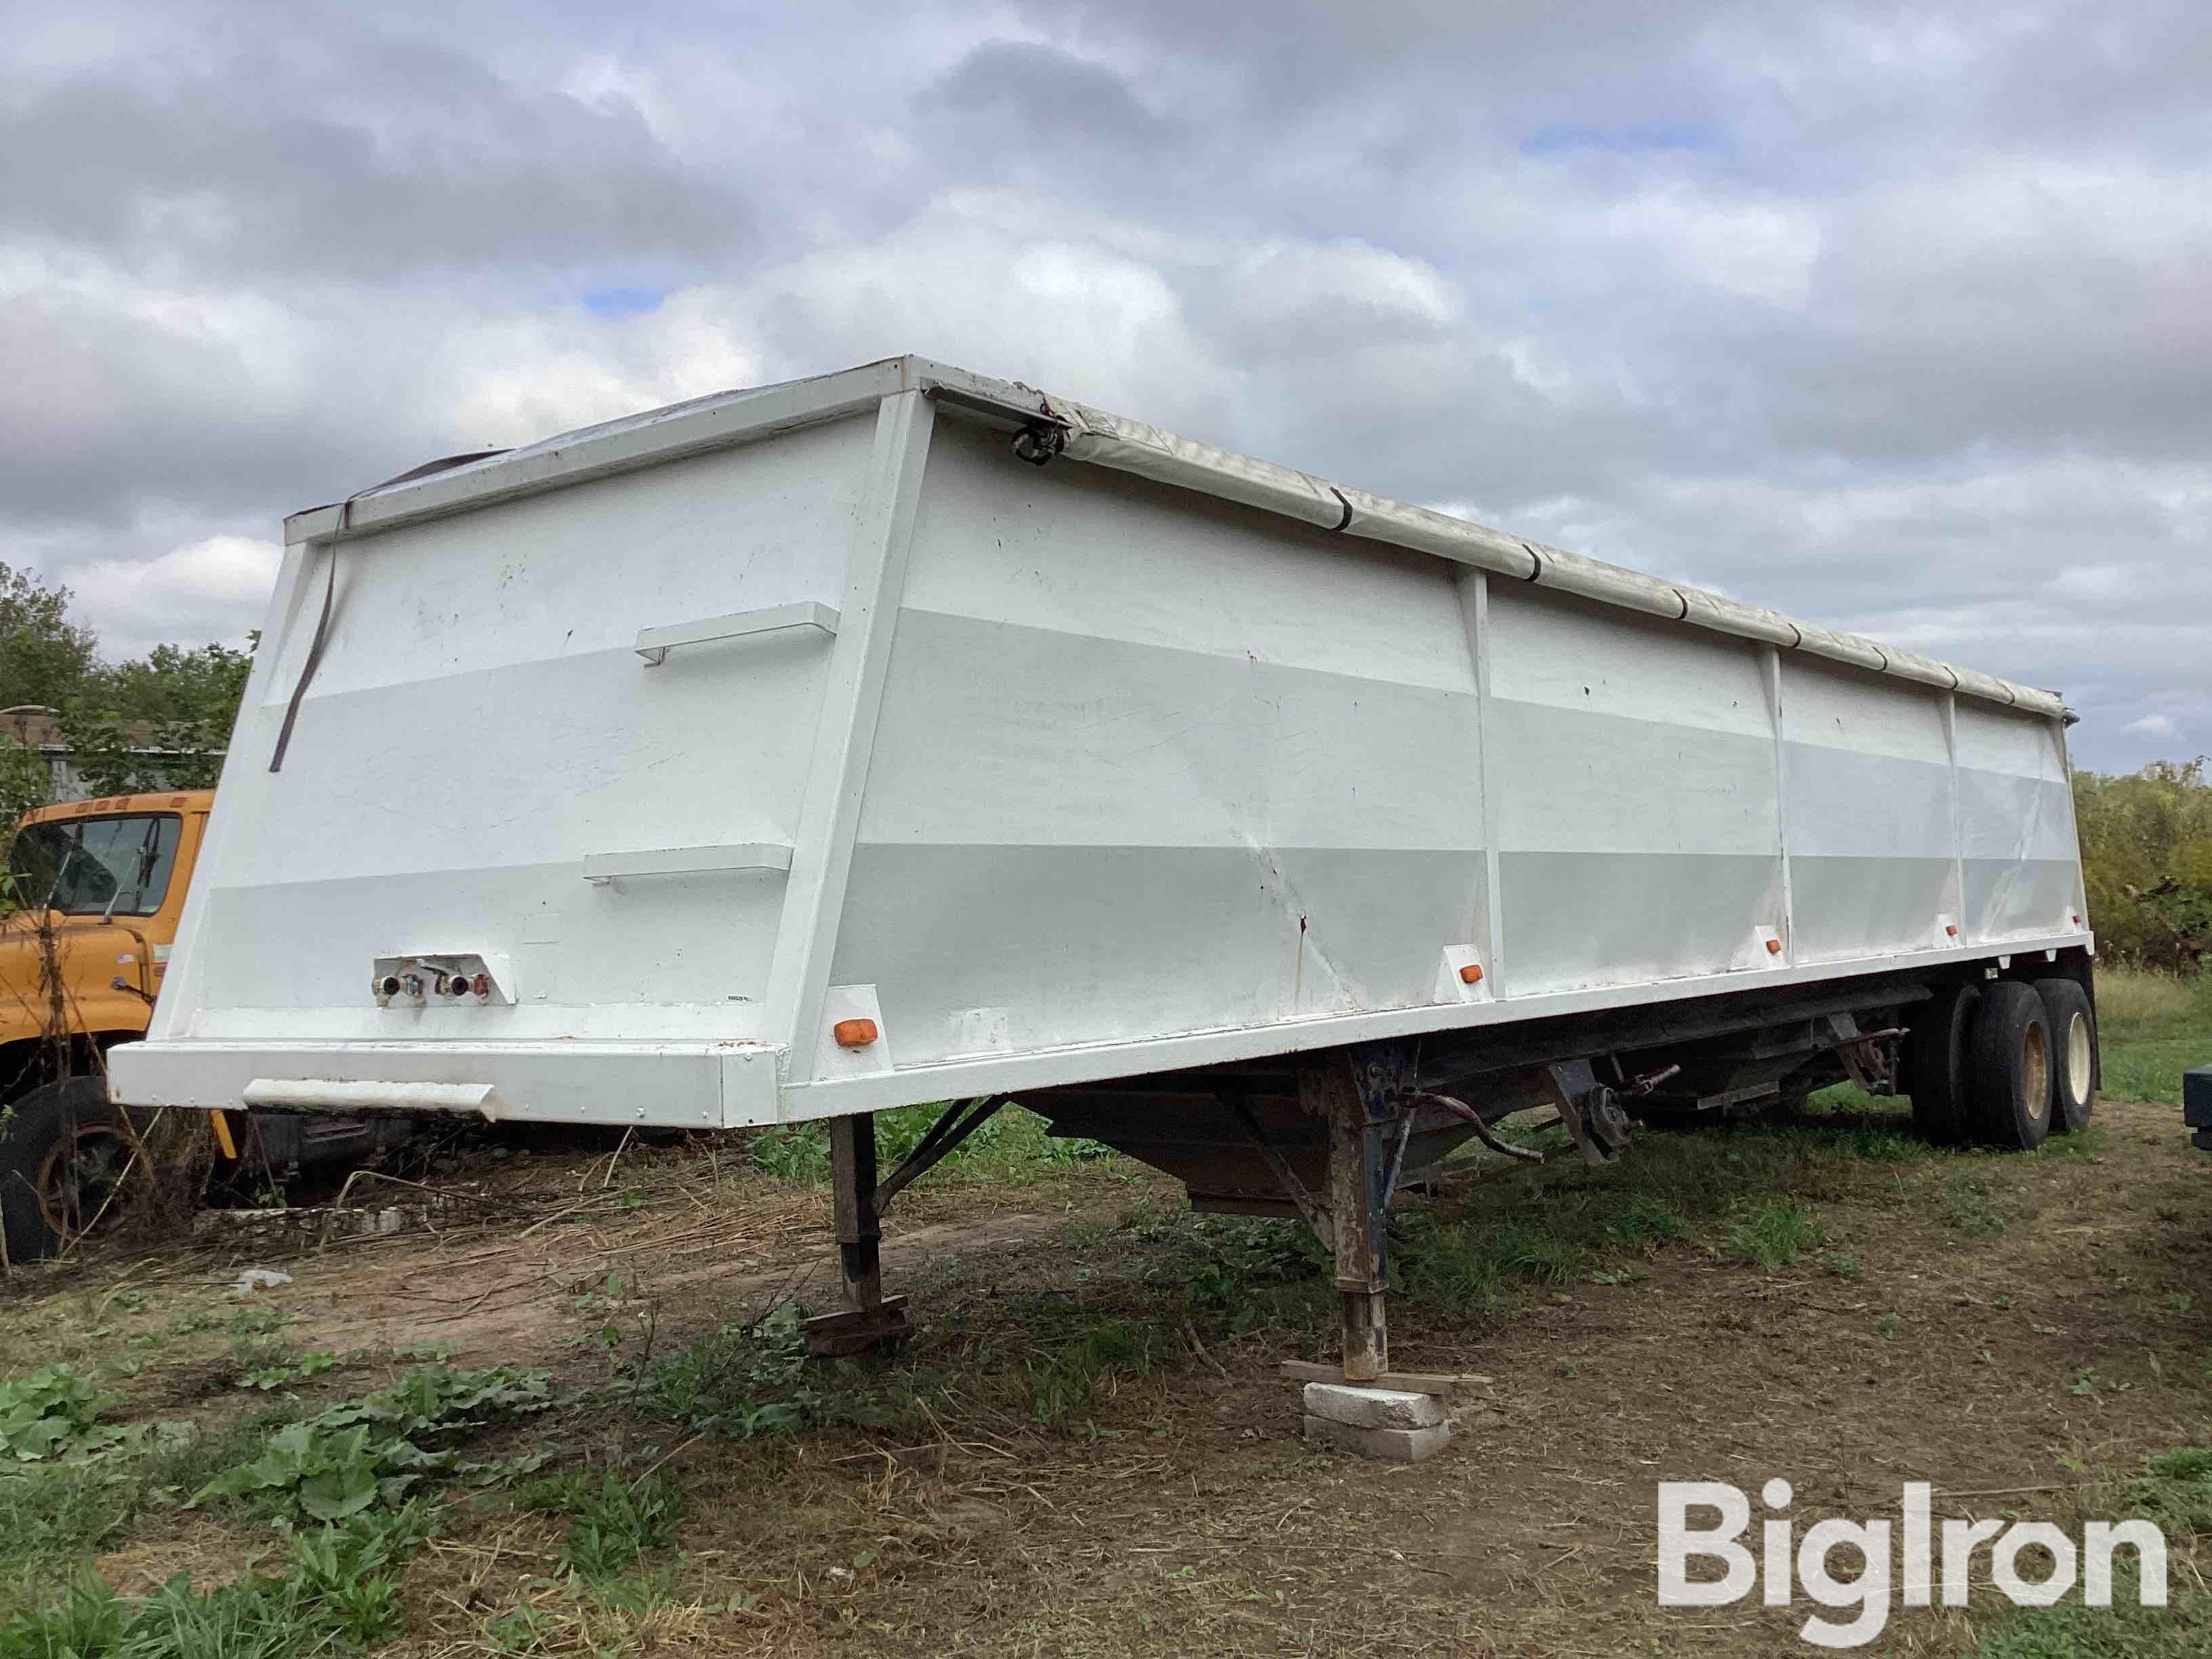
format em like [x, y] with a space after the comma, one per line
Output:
[1372, 1408]
[1391, 1445]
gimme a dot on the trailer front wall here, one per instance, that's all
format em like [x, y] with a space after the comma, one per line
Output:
[480, 722]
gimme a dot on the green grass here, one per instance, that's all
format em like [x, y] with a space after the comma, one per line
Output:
[1645, 1218]
[54, 1516]
[356, 1466]
[375, 1451]
[1743, 1191]
[612, 1520]
[2152, 1028]
[1963, 1198]
[1012, 1144]
[337, 1591]
[1063, 1383]
[2175, 1490]
[751, 1382]
[1768, 1232]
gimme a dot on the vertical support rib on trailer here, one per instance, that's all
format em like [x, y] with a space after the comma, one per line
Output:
[1948, 702]
[1474, 612]
[821, 857]
[2058, 724]
[1771, 671]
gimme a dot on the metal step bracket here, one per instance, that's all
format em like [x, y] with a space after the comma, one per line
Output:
[654, 644]
[602, 869]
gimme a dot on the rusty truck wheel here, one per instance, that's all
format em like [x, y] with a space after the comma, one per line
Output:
[66, 1163]
[2013, 1060]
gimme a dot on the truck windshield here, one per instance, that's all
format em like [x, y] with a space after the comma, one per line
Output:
[117, 866]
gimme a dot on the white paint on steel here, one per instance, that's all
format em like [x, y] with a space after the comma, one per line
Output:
[982, 1031]
[1474, 611]
[875, 566]
[724, 420]
[687, 861]
[1452, 984]
[339, 1095]
[654, 644]
[833, 1060]
[1095, 776]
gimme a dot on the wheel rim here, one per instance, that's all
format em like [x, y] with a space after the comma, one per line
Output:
[78, 1178]
[2035, 1074]
[2078, 1057]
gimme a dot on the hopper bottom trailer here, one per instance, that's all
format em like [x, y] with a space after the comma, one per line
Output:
[904, 735]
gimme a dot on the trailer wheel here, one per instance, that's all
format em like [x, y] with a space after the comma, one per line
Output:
[1938, 1065]
[2012, 1057]
[2073, 1052]
[65, 1154]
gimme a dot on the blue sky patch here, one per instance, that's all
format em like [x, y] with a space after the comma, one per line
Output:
[613, 303]
[1637, 139]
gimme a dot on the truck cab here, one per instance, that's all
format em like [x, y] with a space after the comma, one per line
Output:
[94, 892]
[95, 889]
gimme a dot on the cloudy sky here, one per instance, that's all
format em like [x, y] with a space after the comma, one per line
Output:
[1896, 316]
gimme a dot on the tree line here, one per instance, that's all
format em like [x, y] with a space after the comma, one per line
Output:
[2146, 860]
[160, 721]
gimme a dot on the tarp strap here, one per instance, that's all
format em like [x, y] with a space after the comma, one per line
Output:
[307, 672]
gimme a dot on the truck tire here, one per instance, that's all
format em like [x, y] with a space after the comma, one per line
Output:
[64, 1150]
[1937, 1065]
[2011, 1060]
[2073, 1053]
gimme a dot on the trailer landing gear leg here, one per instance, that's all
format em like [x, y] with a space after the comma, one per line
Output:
[1366, 1099]
[1355, 1097]
[868, 1318]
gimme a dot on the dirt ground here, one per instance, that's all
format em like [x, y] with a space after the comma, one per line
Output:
[2013, 1331]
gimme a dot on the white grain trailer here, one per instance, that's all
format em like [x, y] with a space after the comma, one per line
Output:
[905, 735]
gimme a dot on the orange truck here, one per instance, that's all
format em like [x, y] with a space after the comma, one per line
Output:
[94, 892]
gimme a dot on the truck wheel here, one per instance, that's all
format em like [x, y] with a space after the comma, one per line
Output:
[1937, 1066]
[2073, 1053]
[2012, 1052]
[64, 1152]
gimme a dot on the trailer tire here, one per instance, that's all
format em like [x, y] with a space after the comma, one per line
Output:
[2012, 1052]
[65, 1151]
[2073, 1053]
[1938, 1065]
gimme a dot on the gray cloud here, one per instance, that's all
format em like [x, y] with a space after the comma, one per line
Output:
[1893, 314]
[358, 160]
[1047, 93]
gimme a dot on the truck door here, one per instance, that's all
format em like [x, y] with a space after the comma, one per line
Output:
[101, 880]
